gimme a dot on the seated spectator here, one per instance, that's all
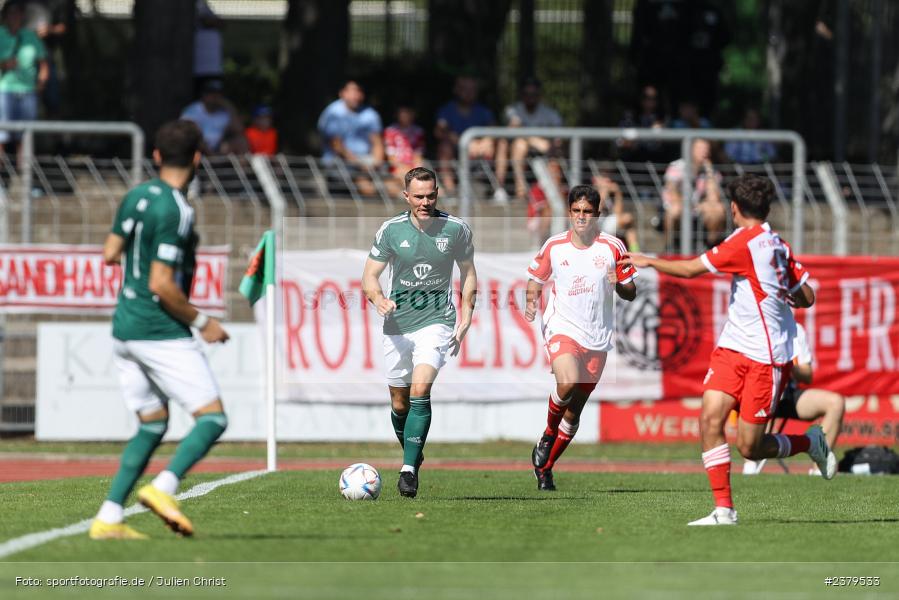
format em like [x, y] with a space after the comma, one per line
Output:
[453, 118]
[404, 142]
[262, 138]
[688, 117]
[616, 220]
[23, 62]
[648, 116]
[351, 131]
[217, 119]
[706, 202]
[539, 213]
[529, 111]
[747, 151]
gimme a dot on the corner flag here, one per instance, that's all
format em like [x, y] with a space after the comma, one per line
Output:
[261, 272]
[259, 281]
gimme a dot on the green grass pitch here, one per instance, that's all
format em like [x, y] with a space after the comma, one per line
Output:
[475, 534]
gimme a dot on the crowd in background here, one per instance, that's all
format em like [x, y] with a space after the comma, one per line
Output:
[354, 139]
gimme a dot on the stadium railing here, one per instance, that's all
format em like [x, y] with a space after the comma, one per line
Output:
[73, 200]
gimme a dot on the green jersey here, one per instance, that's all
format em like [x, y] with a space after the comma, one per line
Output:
[158, 225]
[421, 269]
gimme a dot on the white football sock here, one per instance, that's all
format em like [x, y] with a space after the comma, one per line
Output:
[408, 468]
[166, 482]
[110, 512]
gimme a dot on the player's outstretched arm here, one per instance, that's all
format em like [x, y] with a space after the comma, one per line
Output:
[469, 278]
[173, 301]
[535, 289]
[371, 287]
[112, 249]
[686, 269]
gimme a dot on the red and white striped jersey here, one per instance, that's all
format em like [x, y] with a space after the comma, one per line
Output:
[580, 303]
[760, 323]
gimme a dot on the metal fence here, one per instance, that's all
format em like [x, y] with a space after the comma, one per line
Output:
[73, 200]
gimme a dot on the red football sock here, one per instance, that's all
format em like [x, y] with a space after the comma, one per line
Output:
[566, 434]
[554, 413]
[717, 466]
[790, 445]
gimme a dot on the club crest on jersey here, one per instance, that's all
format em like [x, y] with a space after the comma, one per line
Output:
[421, 270]
[600, 262]
[442, 243]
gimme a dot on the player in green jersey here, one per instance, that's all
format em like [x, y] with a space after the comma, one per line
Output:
[421, 246]
[156, 355]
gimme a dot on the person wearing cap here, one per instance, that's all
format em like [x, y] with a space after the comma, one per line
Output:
[262, 137]
[529, 111]
[217, 119]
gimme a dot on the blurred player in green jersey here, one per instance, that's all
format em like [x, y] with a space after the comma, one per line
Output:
[155, 353]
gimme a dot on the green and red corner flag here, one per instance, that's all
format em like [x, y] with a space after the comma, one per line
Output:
[261, 271]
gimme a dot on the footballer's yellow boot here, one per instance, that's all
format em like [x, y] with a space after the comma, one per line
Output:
[101, 530]
[166, 508]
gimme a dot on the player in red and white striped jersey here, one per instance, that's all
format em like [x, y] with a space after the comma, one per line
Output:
[751, 365]
[578, 323]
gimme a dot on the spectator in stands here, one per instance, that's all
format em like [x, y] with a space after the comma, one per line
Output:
[351, 131]
[529, 111]
[23, 61]
[262, 137]
[453, 118]
[47, 18]
[539, 210]
[404, 142]
[221, 127]
[706, 201]
[616, 220]
[747, 151]
[207, 44]
[688, 117]
[650, 116]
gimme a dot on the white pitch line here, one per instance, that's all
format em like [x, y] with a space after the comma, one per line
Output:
[31, 540]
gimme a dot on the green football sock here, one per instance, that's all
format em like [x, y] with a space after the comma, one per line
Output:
[135, 457]
[399, 424]
[415, 433]
[197, 443]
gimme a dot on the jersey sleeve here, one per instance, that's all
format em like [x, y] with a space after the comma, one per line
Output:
[730, 256]
[464, 244]
[123, 223]
[625, 273]
[381, 250]
[796, 273]
[802, 354]
[541, 268]
[167, 240]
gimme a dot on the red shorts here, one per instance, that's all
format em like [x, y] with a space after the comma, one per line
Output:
[591, 362]
[756, 386]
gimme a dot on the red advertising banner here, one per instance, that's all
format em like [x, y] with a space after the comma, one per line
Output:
[852, 331]
[868, 420]
[73, 279]
[852, 328]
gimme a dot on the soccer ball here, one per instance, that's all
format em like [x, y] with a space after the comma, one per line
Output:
[360, 482]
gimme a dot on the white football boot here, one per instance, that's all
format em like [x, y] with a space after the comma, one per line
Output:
[720, 516]
[821, 453]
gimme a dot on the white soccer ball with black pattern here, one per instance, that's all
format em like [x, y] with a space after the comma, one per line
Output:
[360, 482]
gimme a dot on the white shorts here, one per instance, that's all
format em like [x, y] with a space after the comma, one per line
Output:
[403, 352]
[152, 372]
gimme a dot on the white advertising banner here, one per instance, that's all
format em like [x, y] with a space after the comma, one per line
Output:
[73, 279]
[330, 341]
[79, 399]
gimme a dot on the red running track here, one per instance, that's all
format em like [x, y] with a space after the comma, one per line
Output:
[22, 467]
